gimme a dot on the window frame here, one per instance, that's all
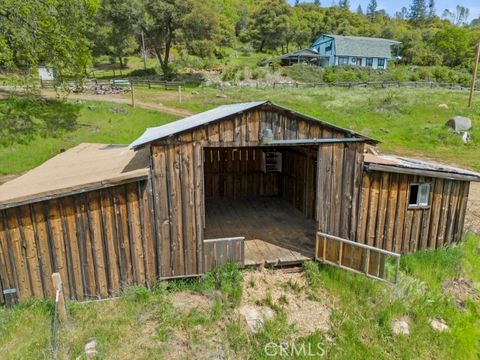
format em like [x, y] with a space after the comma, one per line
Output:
[343, 58]
[418, 205]
[369, 62]
[383, 62]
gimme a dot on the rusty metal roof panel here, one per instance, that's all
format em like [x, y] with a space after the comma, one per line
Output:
[400, 163]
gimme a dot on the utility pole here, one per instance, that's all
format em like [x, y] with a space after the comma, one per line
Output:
[474, 79]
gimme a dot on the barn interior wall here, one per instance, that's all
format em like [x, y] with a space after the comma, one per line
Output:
[299, 178]
[236, 173]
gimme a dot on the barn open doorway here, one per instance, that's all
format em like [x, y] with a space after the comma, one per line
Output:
[265, 194]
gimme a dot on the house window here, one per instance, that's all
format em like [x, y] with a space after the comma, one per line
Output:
[342, 60]
[381, 63]
[329, 47]
[419, 194]
[369, 62]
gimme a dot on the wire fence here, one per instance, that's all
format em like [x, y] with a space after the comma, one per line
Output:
[370, 84]
[173, 85]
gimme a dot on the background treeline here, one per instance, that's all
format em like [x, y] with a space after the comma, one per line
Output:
[67, 34]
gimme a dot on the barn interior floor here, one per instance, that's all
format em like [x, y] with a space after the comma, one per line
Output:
[275, 232]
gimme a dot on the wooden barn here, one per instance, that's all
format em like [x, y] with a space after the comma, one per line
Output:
[253, 183]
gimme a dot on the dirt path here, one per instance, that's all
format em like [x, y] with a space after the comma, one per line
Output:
[120, 100]
[115, 98]
[472, 220]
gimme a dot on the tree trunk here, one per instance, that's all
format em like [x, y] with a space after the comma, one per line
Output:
[166, 59]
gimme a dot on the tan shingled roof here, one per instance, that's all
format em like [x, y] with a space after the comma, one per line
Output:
[82, 168]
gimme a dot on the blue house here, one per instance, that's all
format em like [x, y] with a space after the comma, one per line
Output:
[354, 51]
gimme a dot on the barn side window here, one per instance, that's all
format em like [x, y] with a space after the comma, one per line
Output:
[419, 194]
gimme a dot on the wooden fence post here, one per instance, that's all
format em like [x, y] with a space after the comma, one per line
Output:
[132, 94]
[59, 297]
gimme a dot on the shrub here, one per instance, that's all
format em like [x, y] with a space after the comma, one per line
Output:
[414, 77]
[443, 74]
[329, 75]
[231, 73]
[424, 73]
[258, 74]
[137, 293]
[276, 64]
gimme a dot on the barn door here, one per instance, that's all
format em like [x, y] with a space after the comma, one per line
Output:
[338, 183]
[363, 259]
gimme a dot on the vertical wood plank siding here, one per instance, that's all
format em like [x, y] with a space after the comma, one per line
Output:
[104, 240]
[386, 221]
[228, 153]
[236, 173]
[98, 241]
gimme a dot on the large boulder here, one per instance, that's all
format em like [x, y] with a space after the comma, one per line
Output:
[459, 123]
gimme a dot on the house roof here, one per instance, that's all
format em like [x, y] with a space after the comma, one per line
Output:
[363, 46]
[302, 53]
[83, 168]
[221, 112]
[405, 165]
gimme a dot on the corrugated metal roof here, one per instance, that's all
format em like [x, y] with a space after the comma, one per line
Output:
[408, 163]
[152, 134]
[363, 46]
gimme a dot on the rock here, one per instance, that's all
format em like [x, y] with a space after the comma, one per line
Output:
[466, 137]
[91, 349]
[195, 93]
[268, 314]
[443, 106]
[439, 325]
[386, 131]
[400, 326]
[223, 96]
[91, 107]
[253, 318]
[459, 123]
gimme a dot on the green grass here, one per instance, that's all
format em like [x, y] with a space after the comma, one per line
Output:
[407, 121]
[88, 121]
[147, 324]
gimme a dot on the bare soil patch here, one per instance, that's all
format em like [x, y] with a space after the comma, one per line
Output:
[287, 291]
[461, 290]
[116, 98]
[186, 301]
